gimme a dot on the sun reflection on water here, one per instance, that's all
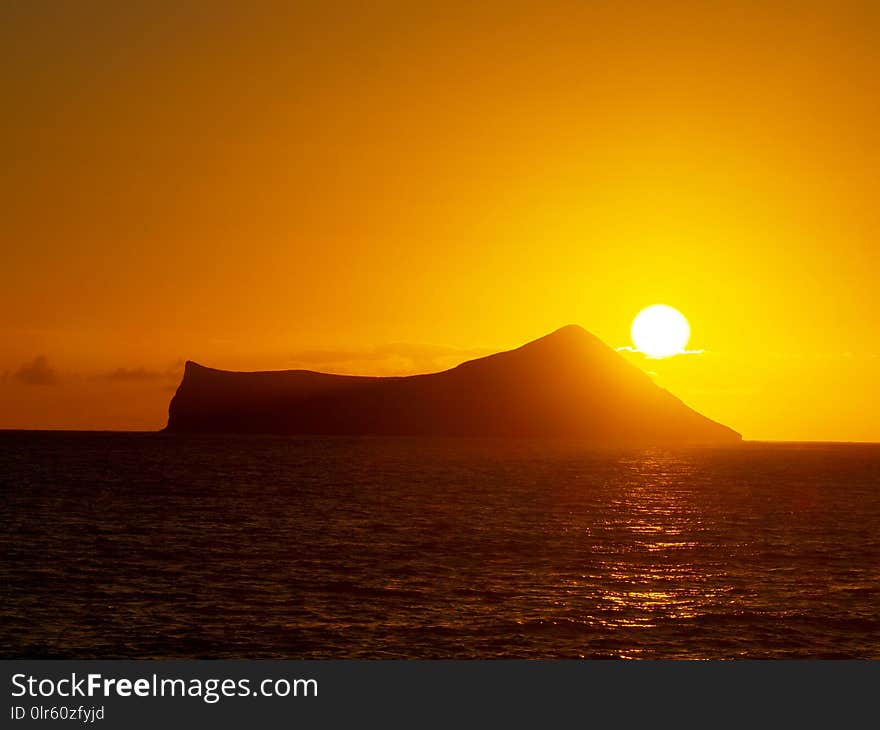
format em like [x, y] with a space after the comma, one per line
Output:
[648, 575]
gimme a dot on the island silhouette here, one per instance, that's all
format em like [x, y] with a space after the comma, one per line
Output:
[566, 384]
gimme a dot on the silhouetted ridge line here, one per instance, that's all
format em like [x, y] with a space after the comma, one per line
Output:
[567, 384]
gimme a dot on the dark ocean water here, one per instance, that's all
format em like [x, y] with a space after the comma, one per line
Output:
[151, 545]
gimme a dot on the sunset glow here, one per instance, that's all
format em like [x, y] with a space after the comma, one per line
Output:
[406, 190]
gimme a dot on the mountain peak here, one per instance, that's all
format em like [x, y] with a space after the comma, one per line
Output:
[570, 344]
[568, 334]
[569, 329]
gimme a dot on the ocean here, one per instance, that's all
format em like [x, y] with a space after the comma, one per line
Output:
[124, 545]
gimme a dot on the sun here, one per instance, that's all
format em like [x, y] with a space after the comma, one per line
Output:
[660, 331]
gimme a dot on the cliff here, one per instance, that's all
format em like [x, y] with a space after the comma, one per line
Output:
[565, 384]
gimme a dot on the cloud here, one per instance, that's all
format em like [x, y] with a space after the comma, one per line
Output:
[142, 374]
[37, 372]
[133, 374]
[397, 357]
[842, 355]
[630, 348]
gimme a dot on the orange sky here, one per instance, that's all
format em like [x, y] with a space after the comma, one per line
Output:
[395, 187]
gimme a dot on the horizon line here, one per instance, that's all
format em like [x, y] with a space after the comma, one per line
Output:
[62, 429]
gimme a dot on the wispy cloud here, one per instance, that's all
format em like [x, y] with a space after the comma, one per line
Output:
[402, 357]
[630, 348]
[140, 374]
[843, 355]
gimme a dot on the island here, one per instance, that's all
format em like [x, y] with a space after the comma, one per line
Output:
[566, 384]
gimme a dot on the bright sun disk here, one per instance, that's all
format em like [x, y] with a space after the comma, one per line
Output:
[660, 331]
